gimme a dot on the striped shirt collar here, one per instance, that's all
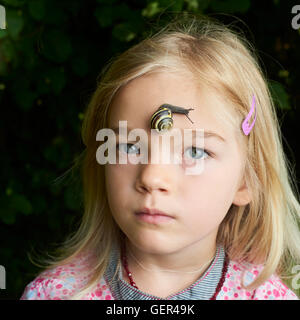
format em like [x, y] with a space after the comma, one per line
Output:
[201, 289]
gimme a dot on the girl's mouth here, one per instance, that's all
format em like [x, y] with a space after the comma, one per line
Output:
[153, 218]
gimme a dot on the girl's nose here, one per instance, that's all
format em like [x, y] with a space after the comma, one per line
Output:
[156, 177]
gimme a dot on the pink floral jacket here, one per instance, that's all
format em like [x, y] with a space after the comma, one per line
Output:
[61, 282]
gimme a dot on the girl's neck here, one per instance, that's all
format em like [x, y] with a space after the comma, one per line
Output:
[190, 259]
[161, 284]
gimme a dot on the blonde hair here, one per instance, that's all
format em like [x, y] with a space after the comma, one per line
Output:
[264, 231]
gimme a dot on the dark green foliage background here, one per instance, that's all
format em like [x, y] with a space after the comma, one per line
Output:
[51, 53]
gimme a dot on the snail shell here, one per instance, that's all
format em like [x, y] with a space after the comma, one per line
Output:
[162, 120]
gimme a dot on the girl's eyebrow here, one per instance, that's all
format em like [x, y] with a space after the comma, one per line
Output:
[211, 134]
[207, 133]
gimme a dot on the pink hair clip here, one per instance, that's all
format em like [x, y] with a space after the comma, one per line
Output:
[245, 126]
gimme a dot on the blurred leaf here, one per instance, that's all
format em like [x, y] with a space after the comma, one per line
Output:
[56, 79]
[172, 5]
[3, 69]
[71, 199]
[20, 203]
[80, 116]
[107, 15]
[3, 33]
[14, 3]
[7, 215]
[27, 47]
[80, 66]
[39, 204]
[104, 16]
[8, 191]
[230, 6]
[203, 4]
[123, 32]
[279, 95]
[52, 154]
[56, 45]
[192, 5]
[25, 99]
[37, 9]
[22, 95]
[73, 7]
[283, 73]
[7, 50]
[151, 9]
[54, 224]
[15, 22]
[55, 15]
[13, 204]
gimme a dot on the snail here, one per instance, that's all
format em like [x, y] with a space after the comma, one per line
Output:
[162, 119]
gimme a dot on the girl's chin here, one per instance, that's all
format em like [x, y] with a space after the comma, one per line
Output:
[154, 246]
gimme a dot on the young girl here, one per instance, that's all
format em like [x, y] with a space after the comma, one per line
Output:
[228, 233]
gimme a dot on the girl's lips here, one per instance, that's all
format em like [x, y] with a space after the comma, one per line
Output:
[154, 218]
[153, 212]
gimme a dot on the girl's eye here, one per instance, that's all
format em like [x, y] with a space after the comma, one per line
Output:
[193, 152]
[197, 153]
[124, 147]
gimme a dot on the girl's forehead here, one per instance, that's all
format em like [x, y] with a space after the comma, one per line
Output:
[138, 100]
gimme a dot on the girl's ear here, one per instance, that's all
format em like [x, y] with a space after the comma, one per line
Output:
[242, 196]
